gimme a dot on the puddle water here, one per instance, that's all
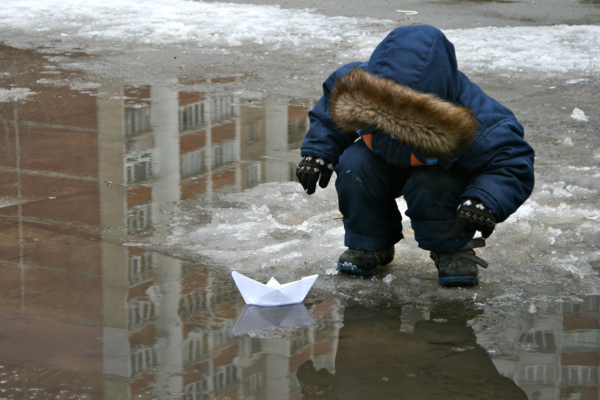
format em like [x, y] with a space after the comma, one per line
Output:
[87, 314]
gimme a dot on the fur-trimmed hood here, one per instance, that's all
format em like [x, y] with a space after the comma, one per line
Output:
[437, 127]
[413, 95]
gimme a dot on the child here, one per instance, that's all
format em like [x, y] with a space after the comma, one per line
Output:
[426, 133]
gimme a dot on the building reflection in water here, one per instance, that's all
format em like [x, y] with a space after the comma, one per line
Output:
[83, 315]
[554, 350]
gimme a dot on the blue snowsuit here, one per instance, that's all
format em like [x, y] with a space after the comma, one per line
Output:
[496, 169]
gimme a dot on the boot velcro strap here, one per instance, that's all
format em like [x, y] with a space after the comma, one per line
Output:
[472, 257]
[464, 255]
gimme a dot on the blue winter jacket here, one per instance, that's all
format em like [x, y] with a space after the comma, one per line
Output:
[421, 58]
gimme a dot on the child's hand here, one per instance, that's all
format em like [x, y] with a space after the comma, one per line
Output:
[474, 216]
[312, 169]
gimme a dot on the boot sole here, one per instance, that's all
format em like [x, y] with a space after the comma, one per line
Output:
[454, 281]
[354, 270]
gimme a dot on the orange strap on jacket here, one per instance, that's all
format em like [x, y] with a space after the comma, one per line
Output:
[368, 139]
[414, 161]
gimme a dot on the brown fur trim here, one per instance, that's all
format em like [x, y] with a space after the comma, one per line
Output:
[423, 121]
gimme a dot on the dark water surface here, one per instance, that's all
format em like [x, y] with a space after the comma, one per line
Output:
[84, 314]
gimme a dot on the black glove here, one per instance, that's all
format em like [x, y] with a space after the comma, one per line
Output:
[474, 216]
[310, 169]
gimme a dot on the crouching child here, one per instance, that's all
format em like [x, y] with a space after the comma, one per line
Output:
[409, 123]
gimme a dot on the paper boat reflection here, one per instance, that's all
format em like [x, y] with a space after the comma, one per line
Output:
[257, 318]
[273, 293]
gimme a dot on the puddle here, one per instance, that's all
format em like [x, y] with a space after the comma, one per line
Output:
[148, 326]
[87, 312]
[72, 158]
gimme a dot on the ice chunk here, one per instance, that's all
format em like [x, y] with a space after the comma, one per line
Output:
[594, 215]
[568, 142]
[462, 349]
[14, 94]
[579, 115]
[554, 232]
[406, 12]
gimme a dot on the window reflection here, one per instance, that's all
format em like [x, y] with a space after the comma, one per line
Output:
[558, 349]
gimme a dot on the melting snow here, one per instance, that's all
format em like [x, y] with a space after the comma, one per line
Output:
[14, 94]
[104, 24]
[290, 233]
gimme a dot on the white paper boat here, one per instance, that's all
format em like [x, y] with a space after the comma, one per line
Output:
[257, 318]
[273, 293]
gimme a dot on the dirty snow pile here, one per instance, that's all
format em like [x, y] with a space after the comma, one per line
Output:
[106, 25]
[178, 22]
[271, 225]
[557, 49]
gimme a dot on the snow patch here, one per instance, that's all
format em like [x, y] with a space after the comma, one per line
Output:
[6, 201]
[552, 49]
[157, 22]
[14, 94]
[578, 115]
[568, 142]
[98, 25]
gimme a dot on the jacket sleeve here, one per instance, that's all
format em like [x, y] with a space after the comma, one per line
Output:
[324, 139]
[500, 159]
[502, 162]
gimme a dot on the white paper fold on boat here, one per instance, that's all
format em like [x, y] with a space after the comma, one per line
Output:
[273, 293]
[257, 318]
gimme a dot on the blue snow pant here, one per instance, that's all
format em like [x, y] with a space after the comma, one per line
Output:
[367, 187]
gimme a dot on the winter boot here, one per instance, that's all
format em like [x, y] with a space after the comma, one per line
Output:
[364, 263]
[459, 268]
